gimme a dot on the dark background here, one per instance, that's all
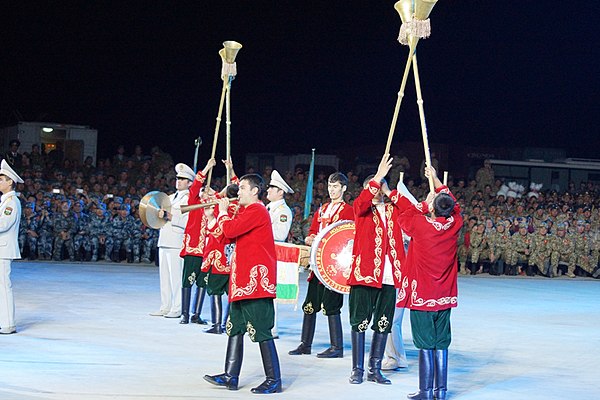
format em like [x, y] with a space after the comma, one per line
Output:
[321, 74]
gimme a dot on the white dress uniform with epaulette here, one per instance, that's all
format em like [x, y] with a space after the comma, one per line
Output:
[280, 212]
[10, 216]
[281, 221]
[170, 240]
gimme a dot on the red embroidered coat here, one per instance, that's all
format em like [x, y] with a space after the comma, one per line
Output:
[341, 211]
[254, 263]
[430, 270]
[194, 235]
[373, 240]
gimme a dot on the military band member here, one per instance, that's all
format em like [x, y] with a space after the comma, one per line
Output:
[377, 255]
[280, 213]
[170, 238]
[252, 286]
[216, 265]
[192, 249]
[281, 216]
[430, 277]
[318, 296]
[10, 216]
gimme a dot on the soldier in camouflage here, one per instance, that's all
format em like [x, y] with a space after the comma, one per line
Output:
[98, 224]
[563, 251]
[64, 229]
[540, 250]
[583, 249]
[120, 236]
[28, 235]
[82, 235]
[519, 251]
[498, 242]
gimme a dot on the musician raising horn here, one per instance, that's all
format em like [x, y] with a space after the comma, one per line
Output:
[377, 256]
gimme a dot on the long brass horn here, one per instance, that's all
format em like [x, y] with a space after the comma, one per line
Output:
[415, 25]
[192, 207]
[150, 204]
[228, 54]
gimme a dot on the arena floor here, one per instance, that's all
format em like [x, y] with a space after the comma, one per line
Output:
[85, 333]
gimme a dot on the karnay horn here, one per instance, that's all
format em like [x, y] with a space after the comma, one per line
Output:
[228, 71]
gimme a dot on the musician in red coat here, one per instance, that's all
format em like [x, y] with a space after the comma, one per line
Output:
[430, 276]
[252, 285]
[318, 296]
[377, 258]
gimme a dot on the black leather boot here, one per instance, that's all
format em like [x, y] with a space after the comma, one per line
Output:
[225, 316]
[270, 361]
[233, 364]
[336, 350]
[441, 374]
[306, 338]
[199, 301]
[425, 376]
[358, 357]
[375, 358]
[186, 294]
[217, 309]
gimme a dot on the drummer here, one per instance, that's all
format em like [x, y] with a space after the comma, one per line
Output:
[377, 256]
[318, 296]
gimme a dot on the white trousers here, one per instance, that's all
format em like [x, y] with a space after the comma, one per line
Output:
[7, 302]
[170, 270]
[394, 348]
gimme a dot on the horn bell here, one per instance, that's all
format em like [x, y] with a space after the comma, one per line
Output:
[419, 8]
[423, 8]
[230, 50]
[150, 204]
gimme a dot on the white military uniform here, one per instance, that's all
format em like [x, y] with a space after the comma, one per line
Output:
[281, 214]
[10, 216]
[170, 240]
[281, 221]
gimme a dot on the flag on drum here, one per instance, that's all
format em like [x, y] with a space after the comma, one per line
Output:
[288, 257]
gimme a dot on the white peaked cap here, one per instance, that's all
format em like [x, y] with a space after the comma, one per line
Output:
[8, 171]
[277, 180]
[183, 171]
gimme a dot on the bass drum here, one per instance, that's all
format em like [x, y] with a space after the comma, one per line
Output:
[331, 255]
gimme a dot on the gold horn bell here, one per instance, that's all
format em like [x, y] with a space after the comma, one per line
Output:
[150, 204]
[229, 51]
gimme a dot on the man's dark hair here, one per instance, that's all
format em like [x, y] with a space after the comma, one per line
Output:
[443, 205]
[338, 177]
[232, 191]
[255, 181]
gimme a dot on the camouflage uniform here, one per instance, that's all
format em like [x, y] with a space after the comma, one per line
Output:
[518, 250]
[563, 252]
[82, 235]
[45, 235]
[498, 243]
[28, 234]
[583, 248]
[540, 251]
[136, 239]
[97, 228]
[479, 249]
[149, 240]
[64, 230]
[121, 230]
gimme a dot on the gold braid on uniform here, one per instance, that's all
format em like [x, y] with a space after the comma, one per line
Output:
[251, 331]
[308, 308]
[383, 323]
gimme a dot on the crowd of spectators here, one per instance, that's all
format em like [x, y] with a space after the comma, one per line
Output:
[90, 212]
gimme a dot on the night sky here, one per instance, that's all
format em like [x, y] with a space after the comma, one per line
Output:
[321, 74]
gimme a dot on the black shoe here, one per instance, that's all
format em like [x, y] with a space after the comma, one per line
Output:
[230, 382]
[336, 350]
[358, 357]
[270, 361]
[216, 329]
[375, 358]
[306, 338]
